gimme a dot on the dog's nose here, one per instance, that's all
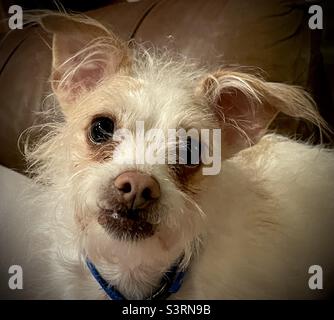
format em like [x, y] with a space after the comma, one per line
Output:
[137, 189]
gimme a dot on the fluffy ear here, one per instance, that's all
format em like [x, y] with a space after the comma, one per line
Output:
[245, 105]
[84, 52]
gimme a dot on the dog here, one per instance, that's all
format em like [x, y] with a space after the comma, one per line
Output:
[102, 226]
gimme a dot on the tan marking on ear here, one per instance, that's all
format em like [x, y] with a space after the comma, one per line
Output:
[84, 53]
[246, 105]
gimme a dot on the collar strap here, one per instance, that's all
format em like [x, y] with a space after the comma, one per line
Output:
[170, 283]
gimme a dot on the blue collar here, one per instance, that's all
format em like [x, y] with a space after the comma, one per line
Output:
[170, 283]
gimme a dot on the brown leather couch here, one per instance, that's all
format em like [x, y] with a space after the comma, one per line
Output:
[272, 35]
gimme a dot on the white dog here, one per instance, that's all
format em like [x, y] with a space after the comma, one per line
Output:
[100, 226]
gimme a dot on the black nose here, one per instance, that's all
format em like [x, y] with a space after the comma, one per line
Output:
[137, 189]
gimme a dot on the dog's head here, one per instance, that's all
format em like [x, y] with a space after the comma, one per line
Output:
[116, 101]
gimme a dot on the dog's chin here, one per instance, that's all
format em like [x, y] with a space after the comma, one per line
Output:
[125, 228]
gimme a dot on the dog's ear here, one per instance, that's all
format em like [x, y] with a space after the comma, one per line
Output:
[246, 105]
[84, 52]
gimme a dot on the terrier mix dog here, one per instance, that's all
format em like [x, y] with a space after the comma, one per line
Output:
[110, 227]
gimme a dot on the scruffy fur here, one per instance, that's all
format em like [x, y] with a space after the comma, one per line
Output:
[252, 231]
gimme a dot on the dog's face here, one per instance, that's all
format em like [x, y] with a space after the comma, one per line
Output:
[130, 199]
[105, 91]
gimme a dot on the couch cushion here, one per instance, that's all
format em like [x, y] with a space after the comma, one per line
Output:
[19, 217]
[249, 33]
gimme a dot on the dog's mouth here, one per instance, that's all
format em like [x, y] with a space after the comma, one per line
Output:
[126, 224]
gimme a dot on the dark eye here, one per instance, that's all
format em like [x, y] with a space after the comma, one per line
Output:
[193, 152]
[101, 130]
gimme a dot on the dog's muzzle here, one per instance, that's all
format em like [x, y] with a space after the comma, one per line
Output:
[133, 196]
